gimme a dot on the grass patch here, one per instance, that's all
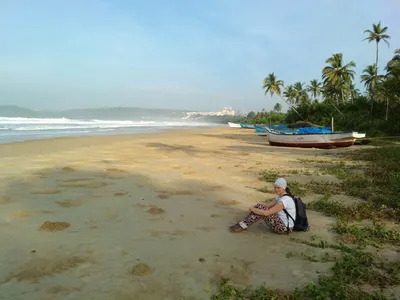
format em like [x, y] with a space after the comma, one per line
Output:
[375, 234]
[269, 176]
[353, 268]
[326, 257]
[265, 189]
[378, 184]
[385, 141]
[356, 212]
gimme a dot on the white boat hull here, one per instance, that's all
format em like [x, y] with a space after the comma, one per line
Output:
[358, 135]
[234, 125]
[327, 140]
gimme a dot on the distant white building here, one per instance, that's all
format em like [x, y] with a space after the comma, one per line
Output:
[227, 111]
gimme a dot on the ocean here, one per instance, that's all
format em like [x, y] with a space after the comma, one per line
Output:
[19, 124]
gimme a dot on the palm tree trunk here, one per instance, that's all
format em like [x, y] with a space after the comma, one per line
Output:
[337, 108]
[291, 107]
[376, 76]
[387, 108]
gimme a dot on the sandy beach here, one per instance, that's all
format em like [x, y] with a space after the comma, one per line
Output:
[145, 216]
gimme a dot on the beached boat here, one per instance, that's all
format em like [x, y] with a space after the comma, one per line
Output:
[234, 125]
[311, 140]
[260, 130]
[247, 126]
[359, 135]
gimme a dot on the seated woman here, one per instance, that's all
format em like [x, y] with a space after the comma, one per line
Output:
[272, 213]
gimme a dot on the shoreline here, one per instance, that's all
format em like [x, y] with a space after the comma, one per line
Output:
[15, 147]
[151, 199]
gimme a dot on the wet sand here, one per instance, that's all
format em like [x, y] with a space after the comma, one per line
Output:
[145, 216]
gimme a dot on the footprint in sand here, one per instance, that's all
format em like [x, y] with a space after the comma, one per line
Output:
[227, 202]
[119, 194]
[114, 173]
[167, 194]
[189, 173]
[141, 270]
[37, 268]
[54, 226]
[206, 228]
[154, 210]
[83, 183]
[68, 169]
[4, 199]
[45, 191]
[69, 203]
[21, 214]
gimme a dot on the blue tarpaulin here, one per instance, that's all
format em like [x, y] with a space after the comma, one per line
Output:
[306, 130]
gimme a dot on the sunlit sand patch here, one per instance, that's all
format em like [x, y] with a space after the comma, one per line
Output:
[54, 226]
[226, 202]
[37, 268]
[46, 191]
[69, 203]
[4, 199]
[154, 210]
[84, 184]
[21, 214]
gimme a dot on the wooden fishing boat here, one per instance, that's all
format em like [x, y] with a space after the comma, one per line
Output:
[260, 130]
[311, 140]
[247, 126]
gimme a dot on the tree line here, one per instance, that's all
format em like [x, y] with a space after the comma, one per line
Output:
[377, 110]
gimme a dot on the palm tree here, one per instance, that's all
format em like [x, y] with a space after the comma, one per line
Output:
[338, 76]
[272, 86]
[277, 107]
[393, 66]
[354, 92]
[300, 93]
[314, 88]
[290, 94]
[370, 79]
[376, 35]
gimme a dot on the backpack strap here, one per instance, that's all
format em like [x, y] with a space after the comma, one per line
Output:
[287, 214]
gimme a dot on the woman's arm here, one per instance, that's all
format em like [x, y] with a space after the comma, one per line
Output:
[269, 205]
[271, 211]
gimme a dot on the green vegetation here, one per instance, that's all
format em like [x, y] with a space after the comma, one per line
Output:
[377, 111]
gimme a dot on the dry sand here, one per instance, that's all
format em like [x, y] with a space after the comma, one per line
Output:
[144, 216]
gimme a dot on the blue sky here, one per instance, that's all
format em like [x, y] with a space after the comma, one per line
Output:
[203, 55]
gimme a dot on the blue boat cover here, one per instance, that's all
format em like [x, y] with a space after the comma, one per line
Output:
[307, 130]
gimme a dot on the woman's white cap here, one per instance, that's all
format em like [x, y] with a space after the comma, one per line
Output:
[280, 182]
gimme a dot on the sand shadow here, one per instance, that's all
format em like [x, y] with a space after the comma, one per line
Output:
[105, 229]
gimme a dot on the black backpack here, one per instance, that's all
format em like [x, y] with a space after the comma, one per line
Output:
[301, 222]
